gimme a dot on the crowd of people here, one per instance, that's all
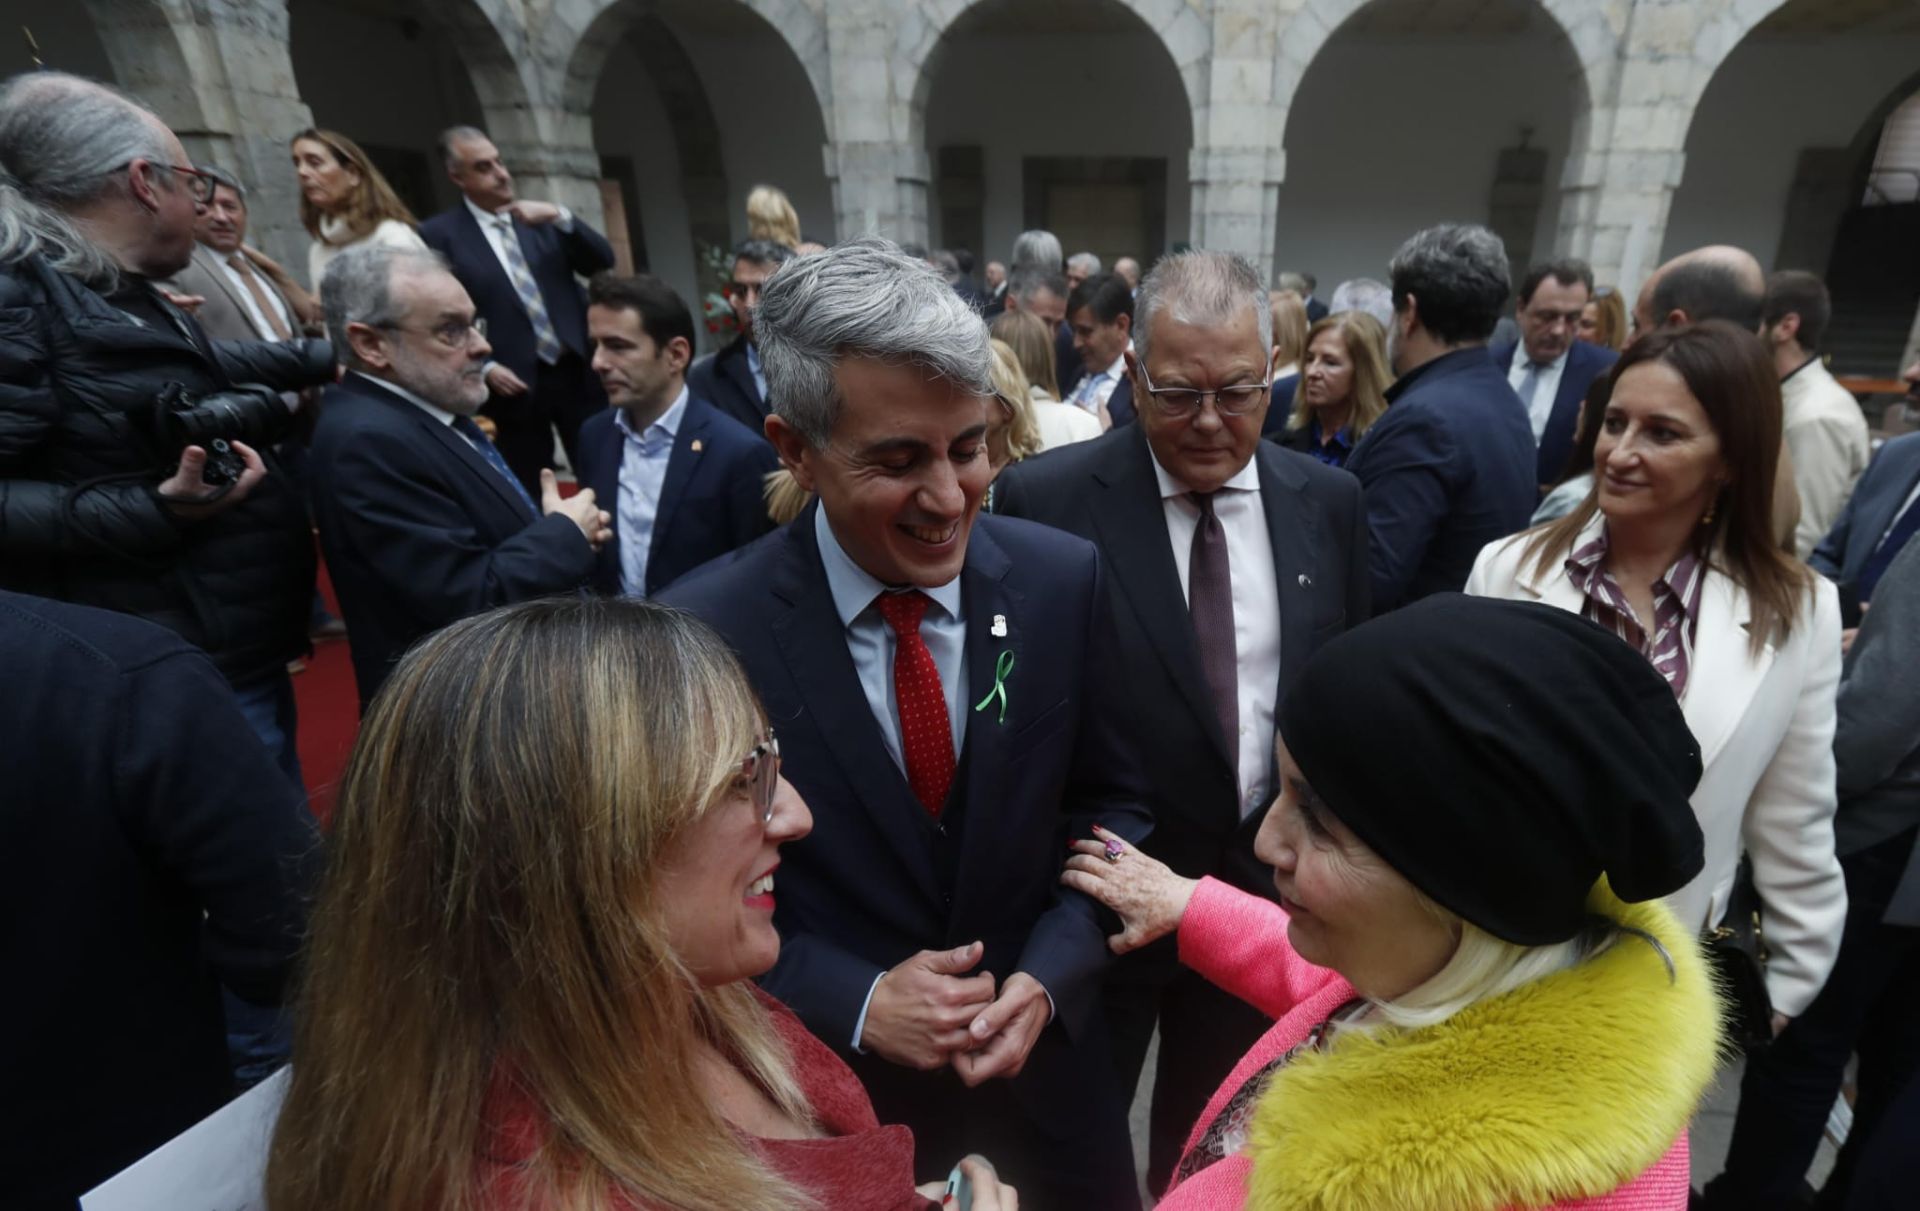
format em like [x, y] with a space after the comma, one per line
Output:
[1449, 718]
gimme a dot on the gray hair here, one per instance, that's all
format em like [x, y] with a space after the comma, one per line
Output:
[945, 264]
[456, 134]
[865, 299]
[358, 288]
[62, 140]
[1296, 282]
[1028, 280]
[1037, 250]
[1458, 277]
[1201, 287]
[1364, 295]
[1084, 262]
[224, 180]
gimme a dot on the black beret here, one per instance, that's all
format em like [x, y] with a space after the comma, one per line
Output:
[1501, 756]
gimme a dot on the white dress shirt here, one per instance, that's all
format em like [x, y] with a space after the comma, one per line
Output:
[643, 473]
[1256, 614]
[1093, 390]
[1540, 410]
[262, 326]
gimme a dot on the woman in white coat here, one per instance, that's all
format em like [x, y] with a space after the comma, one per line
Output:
[1673, 551]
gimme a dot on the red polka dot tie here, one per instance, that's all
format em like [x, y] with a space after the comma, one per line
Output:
[926, 734]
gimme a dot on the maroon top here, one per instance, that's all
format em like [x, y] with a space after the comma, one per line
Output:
[857, 1166]
[1668, 641]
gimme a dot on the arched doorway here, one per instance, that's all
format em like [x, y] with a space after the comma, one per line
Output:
[1413, 114]
[1787, 172]
[1070, 116]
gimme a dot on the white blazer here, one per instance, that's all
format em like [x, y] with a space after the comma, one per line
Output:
[1765, 728]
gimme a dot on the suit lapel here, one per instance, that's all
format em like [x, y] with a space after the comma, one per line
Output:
[480, 251]
[459, 448]
[216, 272]
[1292, 517]
[1132, 521]
[1723, 661]
[985, 596]
[814, 643]
[682, 465]
[738, 369]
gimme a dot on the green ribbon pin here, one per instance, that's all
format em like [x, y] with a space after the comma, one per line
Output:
[1002, 668]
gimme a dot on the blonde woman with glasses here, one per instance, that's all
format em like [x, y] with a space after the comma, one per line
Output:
[530, 978]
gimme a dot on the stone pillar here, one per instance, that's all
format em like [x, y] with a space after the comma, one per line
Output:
[1237, 162]
[876, 161]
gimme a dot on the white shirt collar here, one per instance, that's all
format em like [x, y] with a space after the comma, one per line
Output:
[434, 410]
[668, 422]
[1522, 359]
[482, 217]
[1119, 366]
[853, 588]
[1246, 479]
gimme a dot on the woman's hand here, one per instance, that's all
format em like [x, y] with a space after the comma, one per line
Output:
[1149, 897]
[989, 1192]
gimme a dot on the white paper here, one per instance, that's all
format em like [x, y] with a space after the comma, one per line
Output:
[218, 1164]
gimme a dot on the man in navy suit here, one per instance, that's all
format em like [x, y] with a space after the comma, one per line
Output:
[940, 685]
[1451, 466]
[421, 521]
[1100, 317]
[682, 480]
[1881, 516]
[1293, 536]
[1548, 367]
[732, 379]
[518, 260]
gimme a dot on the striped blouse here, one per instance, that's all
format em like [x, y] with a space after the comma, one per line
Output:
[1676, 608]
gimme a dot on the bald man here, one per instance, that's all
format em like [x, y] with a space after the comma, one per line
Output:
[1719, 282]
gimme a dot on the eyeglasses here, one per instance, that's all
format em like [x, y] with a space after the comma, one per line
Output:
[453, 334]
[761, 768]
[1179, 403]
[199, 183]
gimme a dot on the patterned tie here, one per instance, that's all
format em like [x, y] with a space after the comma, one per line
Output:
[546, 342]
[1877, 563]
[1530, 384]
[272, 314]
[926, 734]
[1210, 605]
[464, 426]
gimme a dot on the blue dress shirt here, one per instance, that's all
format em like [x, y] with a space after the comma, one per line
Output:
[643, 472]
[753, 368]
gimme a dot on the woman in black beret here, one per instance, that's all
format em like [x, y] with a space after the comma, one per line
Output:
[1480, 1002]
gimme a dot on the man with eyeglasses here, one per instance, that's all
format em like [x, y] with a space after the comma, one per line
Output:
[1451, 466]
[520, 261]
[731, 377]
[1549, 367]
[106, 498]
[421, 520]
[1231, 560]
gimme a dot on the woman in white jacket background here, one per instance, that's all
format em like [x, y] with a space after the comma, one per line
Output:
[1673, 551]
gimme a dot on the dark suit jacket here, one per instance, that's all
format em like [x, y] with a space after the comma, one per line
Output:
[710, 501]
[1068, 366]
[1105, 490]
[879, 880]
[1447, 470]
[1585, 363]
[553, 257]
[1876, 739]
[1120, 403]
[419, 530]
[1279, 405]
[725, 380]
[150, 851]
[1884, 486]
[1316, 310]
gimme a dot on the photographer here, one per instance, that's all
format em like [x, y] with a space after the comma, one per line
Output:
[135, 464]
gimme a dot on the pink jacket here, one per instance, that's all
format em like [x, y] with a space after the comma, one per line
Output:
[1239, 942]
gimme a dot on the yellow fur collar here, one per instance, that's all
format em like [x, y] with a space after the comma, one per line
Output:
[1564, 1088]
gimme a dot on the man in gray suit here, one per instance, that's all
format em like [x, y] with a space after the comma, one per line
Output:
[243, 295]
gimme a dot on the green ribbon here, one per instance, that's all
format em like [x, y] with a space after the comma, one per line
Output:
[1001, 669]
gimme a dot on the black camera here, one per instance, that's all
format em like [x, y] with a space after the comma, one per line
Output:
[251, 414]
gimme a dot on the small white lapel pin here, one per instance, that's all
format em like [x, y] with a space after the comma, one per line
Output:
[1306, 581]
[698, 445]
[999, 630]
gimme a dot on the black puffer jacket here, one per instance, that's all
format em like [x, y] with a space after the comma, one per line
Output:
[81, 459]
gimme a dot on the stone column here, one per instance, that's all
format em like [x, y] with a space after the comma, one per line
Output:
[1237, 162]
[876, 160]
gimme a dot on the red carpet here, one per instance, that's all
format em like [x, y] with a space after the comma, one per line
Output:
[329, 713]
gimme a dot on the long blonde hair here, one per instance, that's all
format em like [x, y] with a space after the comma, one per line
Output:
[770, 216]
[372, 202]
[1366, 345]
[1032, 343]
[488, 916]
[1289, 313]
[1021, 433]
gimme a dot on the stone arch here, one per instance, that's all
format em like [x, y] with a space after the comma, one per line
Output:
[922, 26]
[142, 41]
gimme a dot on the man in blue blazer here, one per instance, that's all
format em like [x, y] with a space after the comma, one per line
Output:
[1549, 368]
[1881, 516]
[731, 379]
[1100, 318]
[683, 481]
[938, 683]
[1451, 466]
[420, 519]
[518, 260]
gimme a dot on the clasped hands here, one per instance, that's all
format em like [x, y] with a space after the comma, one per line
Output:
[928, 1013]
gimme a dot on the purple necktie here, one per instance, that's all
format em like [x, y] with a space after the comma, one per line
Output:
[1210, 604]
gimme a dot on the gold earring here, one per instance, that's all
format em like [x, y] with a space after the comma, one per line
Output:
[1706, 519]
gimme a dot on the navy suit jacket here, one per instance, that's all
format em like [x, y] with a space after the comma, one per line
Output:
[1884, 486]
[1447, 470]
[878, 879]
[1279, 405]
[1316, 310]
[1585, 363]
[553, 257]
[725, 380]
[1068, 366]
[419, 530]
[1105, 491]
[710, 502]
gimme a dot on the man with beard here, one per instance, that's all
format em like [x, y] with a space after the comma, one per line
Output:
[421, 520]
